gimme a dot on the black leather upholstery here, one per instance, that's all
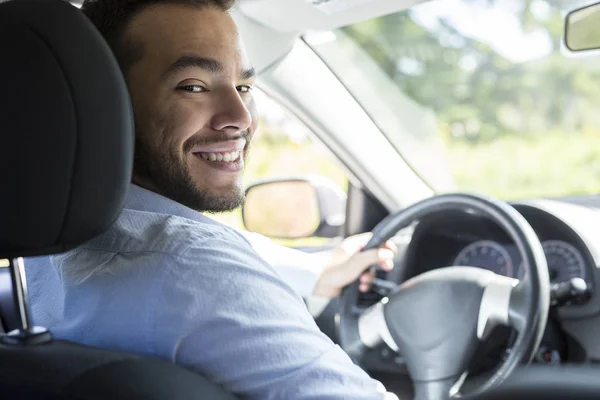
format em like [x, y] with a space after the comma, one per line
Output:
[66, 148]
[62, 370]
[65, 163]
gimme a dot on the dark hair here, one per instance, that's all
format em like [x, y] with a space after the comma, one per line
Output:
[112, 16]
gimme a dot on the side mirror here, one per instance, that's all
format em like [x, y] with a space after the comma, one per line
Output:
[295, 208]
[582, 28]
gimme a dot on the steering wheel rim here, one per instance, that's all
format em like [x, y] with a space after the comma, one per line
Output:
[530, 299]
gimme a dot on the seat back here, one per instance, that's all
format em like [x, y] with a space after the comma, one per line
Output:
[66, 153]
[62, 370]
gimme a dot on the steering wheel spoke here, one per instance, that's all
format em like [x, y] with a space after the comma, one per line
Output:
[495, 308]
[372, 327]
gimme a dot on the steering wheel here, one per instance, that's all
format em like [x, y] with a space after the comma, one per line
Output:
[436, 320]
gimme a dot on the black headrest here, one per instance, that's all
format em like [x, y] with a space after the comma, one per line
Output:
[66, 126]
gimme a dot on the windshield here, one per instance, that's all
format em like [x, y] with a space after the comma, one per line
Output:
[477, 95]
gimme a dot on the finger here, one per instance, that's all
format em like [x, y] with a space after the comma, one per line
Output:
[387, 265]
[387, 260]
[359, 262]
[385, 254]
[367, 277]
[364, 287]
[391, 246]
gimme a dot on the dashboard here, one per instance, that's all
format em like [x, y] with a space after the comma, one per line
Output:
[565, 261]
[468, 239]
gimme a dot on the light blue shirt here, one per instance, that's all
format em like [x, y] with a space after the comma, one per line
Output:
[166, 281]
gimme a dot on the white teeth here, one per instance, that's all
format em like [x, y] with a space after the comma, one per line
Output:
[225, 157]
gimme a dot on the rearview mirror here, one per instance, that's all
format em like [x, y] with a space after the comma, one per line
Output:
[582, 28]
[295, 208]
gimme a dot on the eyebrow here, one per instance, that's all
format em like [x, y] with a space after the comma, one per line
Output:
[248, 74]
[208, 64]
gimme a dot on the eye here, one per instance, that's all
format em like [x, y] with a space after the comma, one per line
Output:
[192, 88]
[244, 88]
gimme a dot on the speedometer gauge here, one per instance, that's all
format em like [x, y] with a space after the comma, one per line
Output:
[564, 261]
[486, 254]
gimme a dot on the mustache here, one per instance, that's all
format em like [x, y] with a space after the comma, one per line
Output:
[216, 138]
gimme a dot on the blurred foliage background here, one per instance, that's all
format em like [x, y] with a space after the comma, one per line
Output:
[513, 126]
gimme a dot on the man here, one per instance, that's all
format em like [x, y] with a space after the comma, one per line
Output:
[165, 280]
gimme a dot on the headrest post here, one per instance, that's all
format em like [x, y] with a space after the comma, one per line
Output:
[25, 334]
[19, 289]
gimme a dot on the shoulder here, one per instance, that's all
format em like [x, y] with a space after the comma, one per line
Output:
[141, 231]
[160, 245]
[225, 259]
[189, 253]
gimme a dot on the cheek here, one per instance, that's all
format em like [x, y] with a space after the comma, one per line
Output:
[163, 119]
[173, 125]
[149, 121]
[187, 121]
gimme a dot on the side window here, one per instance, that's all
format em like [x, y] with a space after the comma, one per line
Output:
[283, 147]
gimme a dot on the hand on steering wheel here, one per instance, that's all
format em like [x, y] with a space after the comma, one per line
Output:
[436, 320]
[349, 263]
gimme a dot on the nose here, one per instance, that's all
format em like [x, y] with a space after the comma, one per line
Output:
[232, 112]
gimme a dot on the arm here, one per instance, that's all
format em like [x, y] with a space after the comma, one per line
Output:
[298, 269]
[240, 325]
[323, 274]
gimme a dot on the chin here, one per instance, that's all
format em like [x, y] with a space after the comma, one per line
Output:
[221, 189]
[232, 192]
[218, 186]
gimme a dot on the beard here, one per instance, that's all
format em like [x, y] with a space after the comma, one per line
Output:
[169, 173]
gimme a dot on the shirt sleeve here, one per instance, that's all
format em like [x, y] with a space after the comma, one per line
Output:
[43, 278]
[225, 313]
[299, 269]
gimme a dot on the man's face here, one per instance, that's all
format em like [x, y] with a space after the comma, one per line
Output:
[193, 109]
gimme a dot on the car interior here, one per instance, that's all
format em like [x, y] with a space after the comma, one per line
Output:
[522, 324]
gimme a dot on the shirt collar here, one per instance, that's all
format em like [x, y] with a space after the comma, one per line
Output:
[141, 199]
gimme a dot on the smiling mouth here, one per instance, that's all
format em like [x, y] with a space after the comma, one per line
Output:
[221, 157]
